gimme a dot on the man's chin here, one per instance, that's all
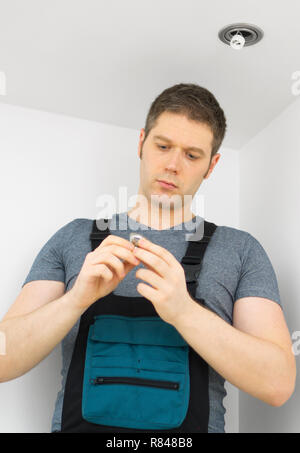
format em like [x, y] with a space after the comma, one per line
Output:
[165, 200]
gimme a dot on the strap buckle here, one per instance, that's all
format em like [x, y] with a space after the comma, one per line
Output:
[192, 271]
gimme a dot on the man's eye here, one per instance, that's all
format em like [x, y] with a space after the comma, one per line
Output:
[193, 157]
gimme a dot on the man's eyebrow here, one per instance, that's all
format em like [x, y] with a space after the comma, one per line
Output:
[191, 148]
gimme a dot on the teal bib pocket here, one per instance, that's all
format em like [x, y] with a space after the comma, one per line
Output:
[136, 373]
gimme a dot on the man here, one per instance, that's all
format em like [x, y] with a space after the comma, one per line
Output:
[229, 327]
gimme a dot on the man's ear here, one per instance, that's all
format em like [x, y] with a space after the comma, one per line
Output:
[212, 165]
[141, 143]
[140, 152]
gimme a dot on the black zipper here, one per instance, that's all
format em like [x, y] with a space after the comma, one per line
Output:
[135, 381]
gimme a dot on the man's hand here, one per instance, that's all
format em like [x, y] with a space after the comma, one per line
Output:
[103, 270]
[168, 291]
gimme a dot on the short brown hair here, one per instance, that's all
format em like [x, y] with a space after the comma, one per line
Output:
[194, 101]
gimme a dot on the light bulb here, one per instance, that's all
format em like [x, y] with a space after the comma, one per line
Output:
[237, 42]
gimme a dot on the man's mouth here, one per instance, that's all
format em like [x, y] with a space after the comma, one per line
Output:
[166, 184]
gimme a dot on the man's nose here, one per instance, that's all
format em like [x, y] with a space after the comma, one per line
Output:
[174, 160]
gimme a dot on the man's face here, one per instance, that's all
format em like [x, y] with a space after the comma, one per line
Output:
[171, 160]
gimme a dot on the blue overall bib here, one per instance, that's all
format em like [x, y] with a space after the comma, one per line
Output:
[133, 372]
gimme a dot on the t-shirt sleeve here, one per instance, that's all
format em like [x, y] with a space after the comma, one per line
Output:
[49, 263]
[257, 277]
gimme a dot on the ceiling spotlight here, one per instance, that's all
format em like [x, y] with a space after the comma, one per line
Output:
[240, 35]
[237, 41]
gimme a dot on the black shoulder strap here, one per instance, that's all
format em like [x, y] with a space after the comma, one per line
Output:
[196, 248]
[192, 260]
[97, 235]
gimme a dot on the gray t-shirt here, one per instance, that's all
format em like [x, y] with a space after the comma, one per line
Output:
[235, 265]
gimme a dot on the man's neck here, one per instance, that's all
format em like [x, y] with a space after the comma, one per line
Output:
[163, 219]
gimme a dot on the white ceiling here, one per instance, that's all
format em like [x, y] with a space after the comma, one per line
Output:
[106, 61]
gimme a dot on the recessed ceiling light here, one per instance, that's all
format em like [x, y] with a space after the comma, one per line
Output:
[240, 35]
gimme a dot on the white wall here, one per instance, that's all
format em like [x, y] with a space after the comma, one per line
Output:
[52, 169]
[269, 209]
